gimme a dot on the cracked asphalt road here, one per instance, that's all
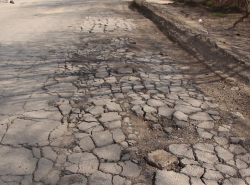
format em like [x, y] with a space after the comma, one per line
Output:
[88, 90]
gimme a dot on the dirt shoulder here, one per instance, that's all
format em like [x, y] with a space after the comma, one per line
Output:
[222, 70]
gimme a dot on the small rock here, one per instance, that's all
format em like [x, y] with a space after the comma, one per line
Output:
[162, 160]
[235, 88]
[156, 127]
[168, 130]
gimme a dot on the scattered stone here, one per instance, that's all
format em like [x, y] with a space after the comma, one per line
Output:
[235, 88]
[164, 177]
[113, 124]
[156, 127]
[162, 160]
[168, 130]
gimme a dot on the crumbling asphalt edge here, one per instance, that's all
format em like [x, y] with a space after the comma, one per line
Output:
[198, 45]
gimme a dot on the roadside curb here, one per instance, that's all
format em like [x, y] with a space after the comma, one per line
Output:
[198, 44]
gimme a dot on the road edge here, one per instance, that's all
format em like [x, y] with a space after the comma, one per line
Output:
[199, 45]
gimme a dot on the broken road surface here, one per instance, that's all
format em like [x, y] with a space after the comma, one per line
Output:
[91, 93]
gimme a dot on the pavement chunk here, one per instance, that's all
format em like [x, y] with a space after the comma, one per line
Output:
[155, 103]
[162, 160]
[201, 116]
[109, 153]
[86, 144]
[193, 170]
[44, 167]
[100, 178]
[102, 138]
[130, 170]
[85, 163]
[170, 178]
[112, 168]
[166, 112]
[180, 116]
[181, 150]
[75, 179]
[110, 116]
[16, 161]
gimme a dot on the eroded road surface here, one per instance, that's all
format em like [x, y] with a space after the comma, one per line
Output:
[91, 93]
